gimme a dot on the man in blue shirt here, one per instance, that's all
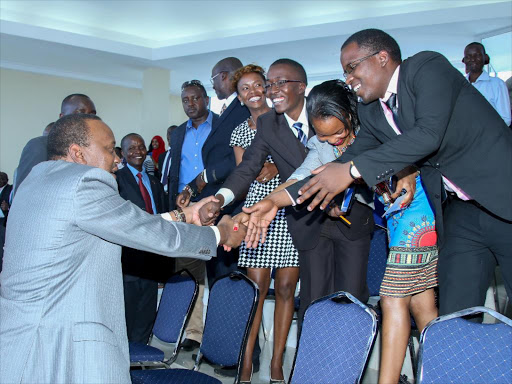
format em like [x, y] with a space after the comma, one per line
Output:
[186, 163]
[139, 279]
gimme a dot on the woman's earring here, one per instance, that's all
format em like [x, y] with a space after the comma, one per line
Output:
[242, 103]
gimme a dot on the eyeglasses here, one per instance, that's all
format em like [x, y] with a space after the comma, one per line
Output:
[280, 83]
[351, 66]
[190, 83]
[213, 77]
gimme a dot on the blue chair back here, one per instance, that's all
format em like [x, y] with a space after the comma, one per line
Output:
[231, 306]
[178, 298]
[337, 335]
[377, 260]
[455, 350]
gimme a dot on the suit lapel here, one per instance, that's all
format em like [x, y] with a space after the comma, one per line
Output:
[285, 142]
[133, 188]
[218, 120]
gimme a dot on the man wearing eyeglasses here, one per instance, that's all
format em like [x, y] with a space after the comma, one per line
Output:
[283, 133]
[453, 135]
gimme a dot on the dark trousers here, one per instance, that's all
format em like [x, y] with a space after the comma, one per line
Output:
[475, 241]
[335, 264]
[224, 263]
[140, 298]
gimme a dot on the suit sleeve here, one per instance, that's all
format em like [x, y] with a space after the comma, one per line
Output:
[435, 86]
[100, 211]
[246, 172]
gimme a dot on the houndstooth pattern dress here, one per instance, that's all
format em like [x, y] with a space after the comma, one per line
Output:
[278, 250]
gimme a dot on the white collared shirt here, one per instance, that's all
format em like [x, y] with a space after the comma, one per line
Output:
[495, 91]
[230, 99]
[303, 118]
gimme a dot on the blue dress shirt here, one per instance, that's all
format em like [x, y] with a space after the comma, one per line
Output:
[145, 181]
[191, 157]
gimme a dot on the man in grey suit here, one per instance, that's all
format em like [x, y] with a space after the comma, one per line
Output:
[61, 290]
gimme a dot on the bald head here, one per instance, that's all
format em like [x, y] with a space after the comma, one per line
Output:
[77, 103]
[222, 74]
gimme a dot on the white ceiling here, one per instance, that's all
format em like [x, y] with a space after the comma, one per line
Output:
[115, 41]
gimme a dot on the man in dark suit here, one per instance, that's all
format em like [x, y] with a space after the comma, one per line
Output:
[279, 133]
[34, 151]
[457, 140]
[139, 279]
[219, 157]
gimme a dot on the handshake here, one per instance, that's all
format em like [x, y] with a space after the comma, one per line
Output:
[253, 222]
[203, 213]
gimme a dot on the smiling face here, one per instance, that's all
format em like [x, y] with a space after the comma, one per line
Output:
[155, 143]
[251, 90]
[287, 98]
[370, 78]
[194, 103]
[330, 129]
[100, 152]
[134, 151]
[474, 59]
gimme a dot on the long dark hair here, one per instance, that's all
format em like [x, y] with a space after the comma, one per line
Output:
[333, 98]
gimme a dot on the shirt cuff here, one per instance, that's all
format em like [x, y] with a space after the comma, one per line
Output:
[217, 234]
[205, 178]
[228, 195]
[166, 216]
[354, 172]
[291, 198]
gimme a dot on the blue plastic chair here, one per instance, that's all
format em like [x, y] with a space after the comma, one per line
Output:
[336, 339]
[176, 303]
[231, 306]
[455, 350]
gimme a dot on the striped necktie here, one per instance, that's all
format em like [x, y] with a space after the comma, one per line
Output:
[301, 135]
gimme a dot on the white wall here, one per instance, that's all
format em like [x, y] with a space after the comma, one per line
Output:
[28, 102]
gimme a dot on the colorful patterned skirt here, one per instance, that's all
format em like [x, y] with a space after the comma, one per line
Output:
[412, 262]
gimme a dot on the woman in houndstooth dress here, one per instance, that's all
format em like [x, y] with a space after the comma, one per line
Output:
[278, 250]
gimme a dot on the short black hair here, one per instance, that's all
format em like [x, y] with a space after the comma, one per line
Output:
[194, 83]
[333, 98]
[124, 139]
[68, 98]
[375, 40]
[68, 130]
[297, 66]
[478, 44]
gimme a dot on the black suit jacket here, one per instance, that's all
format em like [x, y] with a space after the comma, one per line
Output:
[33, 153]
[137, 263]
[448, 128]
[275, 137]
[4, 196]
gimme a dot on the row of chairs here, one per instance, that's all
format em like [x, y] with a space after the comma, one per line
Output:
[337, 337]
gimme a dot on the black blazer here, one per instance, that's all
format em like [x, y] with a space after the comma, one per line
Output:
[448, 128]
[4, 196]
[138, 263]
[274, 137]
[34, 152]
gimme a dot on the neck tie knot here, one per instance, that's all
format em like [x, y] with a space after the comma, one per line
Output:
[300, 133]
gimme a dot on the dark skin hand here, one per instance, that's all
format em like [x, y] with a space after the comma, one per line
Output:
[267, 173]
[200, 183]
[183, 199]
[231, 234]
[211, 211]
[333, 178]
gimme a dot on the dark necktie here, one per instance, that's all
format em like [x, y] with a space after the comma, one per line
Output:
[393, 107]
[301, 135]
[145, 194]
[223, 109]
